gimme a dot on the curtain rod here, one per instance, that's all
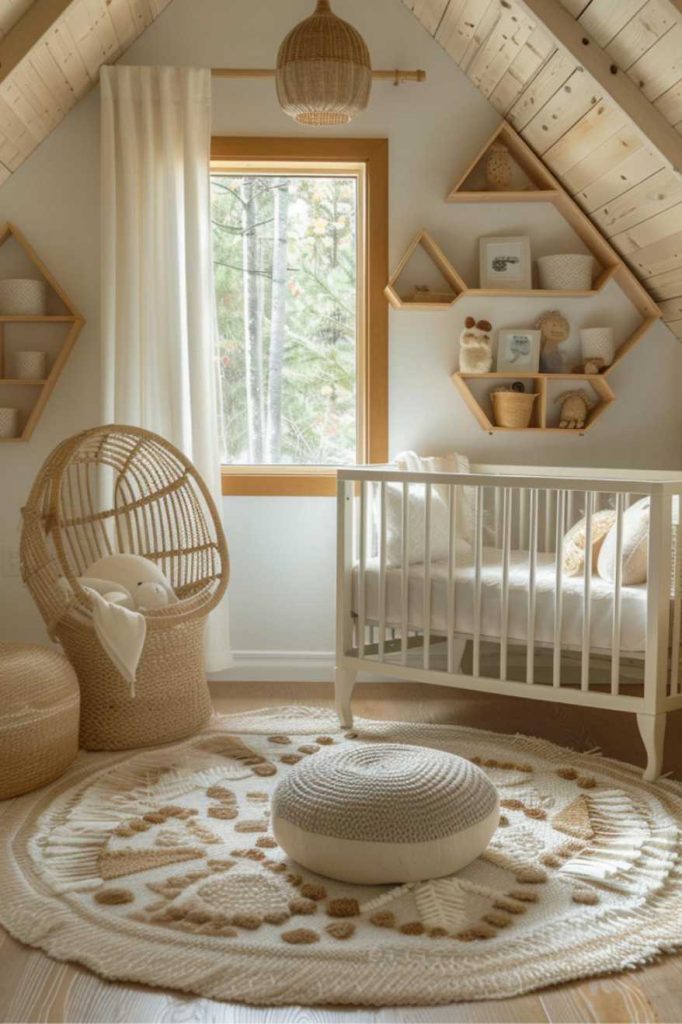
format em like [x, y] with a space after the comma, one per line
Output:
[396, 76]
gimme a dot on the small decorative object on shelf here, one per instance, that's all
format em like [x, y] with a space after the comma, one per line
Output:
[590, 367]
[422, 293]
[575, 406]
[9, 422]
[23, 296]
[518, 350]
[475, 346]
[566, 272]
[597, 343]
[498, 168]
[554, 329]
[512, 408]
[505, 263]
[30, 365]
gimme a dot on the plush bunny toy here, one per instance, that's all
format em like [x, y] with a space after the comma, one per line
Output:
[475, 347]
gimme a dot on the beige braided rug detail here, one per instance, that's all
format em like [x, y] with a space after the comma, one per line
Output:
[159, 867]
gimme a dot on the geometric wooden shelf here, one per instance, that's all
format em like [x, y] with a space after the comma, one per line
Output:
[539, 185]
[425, 300]
[31, 396]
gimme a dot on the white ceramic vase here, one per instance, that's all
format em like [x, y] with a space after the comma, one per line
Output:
[23, 296]
[597, 343]
[30, 365]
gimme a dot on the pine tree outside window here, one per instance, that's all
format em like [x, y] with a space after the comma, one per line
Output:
[299, 243]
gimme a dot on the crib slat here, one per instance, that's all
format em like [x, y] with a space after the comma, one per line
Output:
[507, 507]
[677, 611]
[523, 518]
[617, 598]
[478, 556]
[404, 572]
[532, 570]
[362, 538]
[427, 575]
[382, 570]
[497, 514]
[452, 542]
[587, 594]
[561, 501]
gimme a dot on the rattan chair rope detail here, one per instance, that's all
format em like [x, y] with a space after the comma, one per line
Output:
[121, 489]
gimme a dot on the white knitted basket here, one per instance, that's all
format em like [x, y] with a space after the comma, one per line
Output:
[23, 296]
[597, 343]
[9, 422]
[566, 272]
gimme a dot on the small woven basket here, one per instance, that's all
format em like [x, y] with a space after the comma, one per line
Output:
[566, 272]
[23, 296]
[512, 408]
[39, 705]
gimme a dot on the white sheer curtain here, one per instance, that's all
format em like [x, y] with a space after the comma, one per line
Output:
[158, 300]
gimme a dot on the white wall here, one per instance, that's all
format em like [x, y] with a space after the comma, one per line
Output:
[283, 549]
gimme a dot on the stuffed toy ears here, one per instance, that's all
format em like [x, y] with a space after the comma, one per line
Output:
[469, 322]
[484, 325]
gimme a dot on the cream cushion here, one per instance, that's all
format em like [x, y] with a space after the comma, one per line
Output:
[635, 550]
[384, 813]
[574, 542]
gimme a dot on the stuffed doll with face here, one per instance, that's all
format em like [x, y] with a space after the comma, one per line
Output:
[475, 346]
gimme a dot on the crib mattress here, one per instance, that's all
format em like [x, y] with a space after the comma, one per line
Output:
[633, 602]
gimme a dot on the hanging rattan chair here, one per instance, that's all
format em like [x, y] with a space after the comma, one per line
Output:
[122, 489]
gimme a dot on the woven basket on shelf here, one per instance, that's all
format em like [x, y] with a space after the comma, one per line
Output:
[38, 717]
[566, 272]
[125, 489]
[512, 408]
[324, 74]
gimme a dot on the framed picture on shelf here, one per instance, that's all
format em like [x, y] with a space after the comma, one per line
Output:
[518, 350]
[505, 263]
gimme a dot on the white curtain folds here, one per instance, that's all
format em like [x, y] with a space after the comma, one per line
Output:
[158, 298]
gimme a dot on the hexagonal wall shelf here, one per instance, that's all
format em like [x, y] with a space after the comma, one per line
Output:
[53, 332]
[530, 182]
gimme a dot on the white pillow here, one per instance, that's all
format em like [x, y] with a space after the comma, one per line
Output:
[454, 462]
[416, 515]
[635, 547]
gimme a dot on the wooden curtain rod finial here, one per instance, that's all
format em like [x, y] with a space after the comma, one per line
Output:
[396, 76]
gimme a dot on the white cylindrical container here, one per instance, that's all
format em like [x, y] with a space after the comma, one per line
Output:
[23, 296]
[9, 422]
[30, 365]
[597, 343]
[566, 272]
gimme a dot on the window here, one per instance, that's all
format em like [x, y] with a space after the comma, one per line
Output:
[300, 252]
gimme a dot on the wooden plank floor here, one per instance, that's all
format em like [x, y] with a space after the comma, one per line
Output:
[35, 988]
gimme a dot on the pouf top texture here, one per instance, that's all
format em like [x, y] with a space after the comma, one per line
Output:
[385, 813]
[39, 705]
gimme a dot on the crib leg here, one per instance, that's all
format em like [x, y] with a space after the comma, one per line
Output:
[344, 681]
[652, 731]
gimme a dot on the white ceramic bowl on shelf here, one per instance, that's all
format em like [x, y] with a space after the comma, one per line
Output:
[22, 296]
[566, 272]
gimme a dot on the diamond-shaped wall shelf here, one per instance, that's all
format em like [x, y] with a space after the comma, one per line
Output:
[530, 182]
[53, 332]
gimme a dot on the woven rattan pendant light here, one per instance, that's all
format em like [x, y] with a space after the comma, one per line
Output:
[324, 75]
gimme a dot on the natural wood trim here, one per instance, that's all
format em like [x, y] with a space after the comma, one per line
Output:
[373, 352]
[424, 240]
[22, 37]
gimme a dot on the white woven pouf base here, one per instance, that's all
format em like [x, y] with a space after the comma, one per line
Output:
[160, 867]
[388, 812]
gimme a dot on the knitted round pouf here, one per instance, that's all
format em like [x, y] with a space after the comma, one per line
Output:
[39, 705]
[384, 813]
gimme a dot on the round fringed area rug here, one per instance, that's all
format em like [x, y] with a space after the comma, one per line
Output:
[161, 867]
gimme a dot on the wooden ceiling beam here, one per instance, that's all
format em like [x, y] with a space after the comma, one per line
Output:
[614, 84]
[20, 40]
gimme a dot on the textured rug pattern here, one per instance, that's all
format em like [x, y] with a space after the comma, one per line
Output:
[160, 867]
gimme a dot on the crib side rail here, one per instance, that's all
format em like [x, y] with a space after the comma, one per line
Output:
[448, 575]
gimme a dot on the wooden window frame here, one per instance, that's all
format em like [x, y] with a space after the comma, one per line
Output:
[372, 360]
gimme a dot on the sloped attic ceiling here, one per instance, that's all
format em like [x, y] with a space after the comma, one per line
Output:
[595, 88]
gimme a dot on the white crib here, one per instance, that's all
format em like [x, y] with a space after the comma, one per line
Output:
[505, 618]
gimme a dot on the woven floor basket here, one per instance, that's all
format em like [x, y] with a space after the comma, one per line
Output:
[38, 717]
[123, 489]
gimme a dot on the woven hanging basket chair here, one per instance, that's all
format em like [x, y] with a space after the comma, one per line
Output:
[118, 489]
[324, 74]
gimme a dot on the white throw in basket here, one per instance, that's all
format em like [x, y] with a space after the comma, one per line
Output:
[23, 296]
[566, 272]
